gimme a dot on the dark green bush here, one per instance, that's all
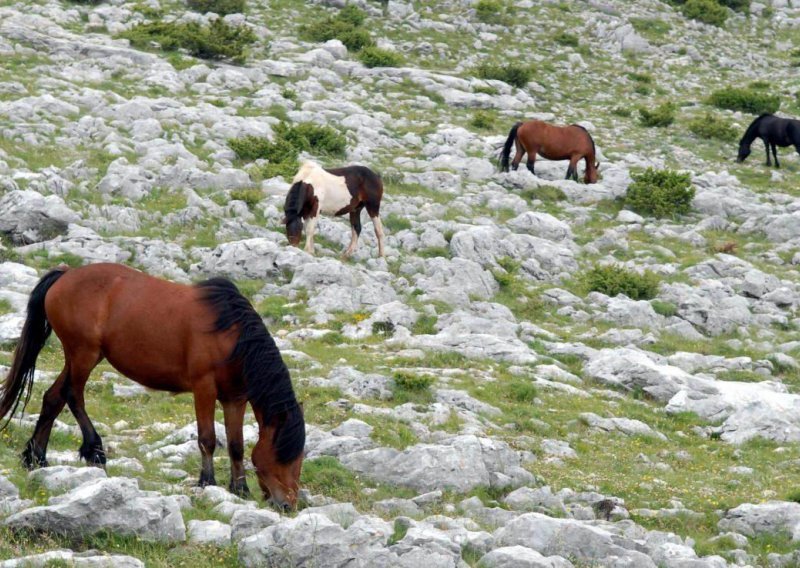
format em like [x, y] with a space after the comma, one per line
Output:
[218, 40]
[412, 382]
[745, 100]
[513, 74]
[377, 57]
[221, 7]
[346, 26]
[288, 142]
[660, 117]
[706, 11]
[615, 279]
[566, 38]
[483, 120]
[490, 11]
[710, 126]
[661, 193]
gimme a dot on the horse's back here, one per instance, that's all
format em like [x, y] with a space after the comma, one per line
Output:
[152, 330]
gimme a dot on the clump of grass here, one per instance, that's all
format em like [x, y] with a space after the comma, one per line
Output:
[491, 11]
[5, 307]
[745, 100]
[521, 391]
[660, 193]
[666, 309]
[377, 57]
[327, 476]
[250, 196]
[346, 26]
[412, 382]
[660, 117]
[566, 39]
[425, 325]
[512, 73]
[288, 142]
[710, 126]
[621, 111]
[613, 279]
[218, 40]
[395, 223]
[483, 120]
[651, 28]
[221, 7]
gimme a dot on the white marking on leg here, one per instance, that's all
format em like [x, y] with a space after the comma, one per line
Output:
[376, 222]
[311, 228]
[353, 242]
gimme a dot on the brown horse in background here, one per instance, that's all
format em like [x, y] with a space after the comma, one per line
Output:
[534, 137]
[205, 339]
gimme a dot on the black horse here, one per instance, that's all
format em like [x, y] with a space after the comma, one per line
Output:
[774, 131]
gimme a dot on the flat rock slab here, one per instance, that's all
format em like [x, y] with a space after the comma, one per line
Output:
[59, 478]
[115, 505]
[89, 559]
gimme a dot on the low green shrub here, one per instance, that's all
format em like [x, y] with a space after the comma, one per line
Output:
[745, 100]
[621, 111]
[615, 279]
[377, 57]
[346, 26]
[250, 196]
[395, 223]
[660, 117]
[287, 143]
[661, 193]
[218, 40]
[483, 120]
[706, 11]
[710, 126]
[5, 307]
[412, 382]
[491, 11]
[221, 7]
[513, 74]
[666, 309]
[521, 391]
[566, 39]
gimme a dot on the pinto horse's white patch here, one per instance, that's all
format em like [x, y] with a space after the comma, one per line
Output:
[330, 190]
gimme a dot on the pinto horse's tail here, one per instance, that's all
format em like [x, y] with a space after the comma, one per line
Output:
[35, 331]
[505, 154]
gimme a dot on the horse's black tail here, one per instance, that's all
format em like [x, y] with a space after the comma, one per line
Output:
[35, 331]
[506, 152]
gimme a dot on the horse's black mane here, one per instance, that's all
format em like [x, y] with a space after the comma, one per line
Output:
[594, 148]
[295, 199]
[269, 386]
[749, 135]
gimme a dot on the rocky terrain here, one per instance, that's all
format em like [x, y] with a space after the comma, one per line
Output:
[469, 401]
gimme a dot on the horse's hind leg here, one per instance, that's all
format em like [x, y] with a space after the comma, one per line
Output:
[520, 151]
[205, 398]
[80, 367]
[355, 230]
[234, 418]
[766, 145]
[374, 212]
[35, 454]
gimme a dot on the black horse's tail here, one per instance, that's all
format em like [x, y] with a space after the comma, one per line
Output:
[35, 331]
[506, 152]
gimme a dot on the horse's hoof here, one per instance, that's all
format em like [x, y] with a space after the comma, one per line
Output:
[240, 489]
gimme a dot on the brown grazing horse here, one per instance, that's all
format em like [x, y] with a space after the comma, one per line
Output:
[334, 192]
[554, 143]
[205, 339]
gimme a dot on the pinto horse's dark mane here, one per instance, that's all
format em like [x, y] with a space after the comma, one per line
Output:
[269, 386]
[295, 200]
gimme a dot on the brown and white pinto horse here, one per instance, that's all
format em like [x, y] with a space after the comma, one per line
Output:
[554, 143]
[335, 192]
[205, 339]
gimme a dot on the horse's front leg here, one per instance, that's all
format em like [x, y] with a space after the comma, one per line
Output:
[35, 453]
[531, 163]
[311, 229]
[234, 419]
[775, 155]
[572, 169]
[205, 397]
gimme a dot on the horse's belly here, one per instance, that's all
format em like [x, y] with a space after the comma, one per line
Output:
[334, 200]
